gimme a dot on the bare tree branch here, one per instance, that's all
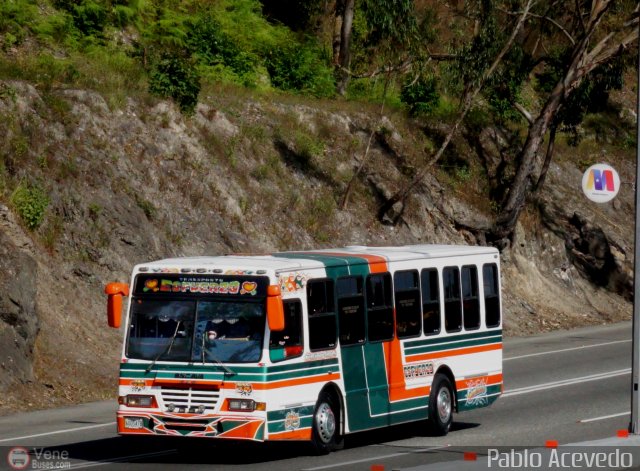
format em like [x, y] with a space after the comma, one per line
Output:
[546, 18]
[523, 111]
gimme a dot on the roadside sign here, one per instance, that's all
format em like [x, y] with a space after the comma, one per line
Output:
[600, 183]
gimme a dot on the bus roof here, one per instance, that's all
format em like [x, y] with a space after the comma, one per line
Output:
[310, 259]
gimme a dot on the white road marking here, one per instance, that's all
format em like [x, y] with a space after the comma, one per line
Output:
[565, 382]
[583, 421]
[566, 350]
[382, 457]
[120, 459]
[55, 432]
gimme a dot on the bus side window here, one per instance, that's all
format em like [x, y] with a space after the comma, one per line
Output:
[407, 298]
[491, 294]
[288, 342]
[351, 310]
[452, 301]
[430, 301]
[322, 316]
[470, 300]
[379, 307]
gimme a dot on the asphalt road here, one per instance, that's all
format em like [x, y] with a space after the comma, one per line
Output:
[569, 386]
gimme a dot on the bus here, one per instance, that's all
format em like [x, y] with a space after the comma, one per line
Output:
[308, 346]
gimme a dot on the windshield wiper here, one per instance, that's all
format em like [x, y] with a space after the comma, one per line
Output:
[213, 357]
[165, 351]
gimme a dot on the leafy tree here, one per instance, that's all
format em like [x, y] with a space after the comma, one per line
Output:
[573, 78]
[588, 51]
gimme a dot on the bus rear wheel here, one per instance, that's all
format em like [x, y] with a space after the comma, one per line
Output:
[326, 426]
[441, 405]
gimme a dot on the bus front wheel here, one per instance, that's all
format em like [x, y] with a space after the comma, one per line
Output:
[325, 430]
[441, 405]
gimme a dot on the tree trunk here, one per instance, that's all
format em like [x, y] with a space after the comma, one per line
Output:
[337, 29]
[508, 217]
[548, 158]
[344, 57]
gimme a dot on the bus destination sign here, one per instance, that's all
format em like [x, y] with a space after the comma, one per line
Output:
[201, 284]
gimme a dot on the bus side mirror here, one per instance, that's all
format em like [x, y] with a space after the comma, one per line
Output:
[115, 291]
[275, 309]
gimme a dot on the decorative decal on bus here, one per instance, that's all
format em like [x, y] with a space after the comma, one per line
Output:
[477, 392]
[293, 283]
[244, 389]
[292, 421]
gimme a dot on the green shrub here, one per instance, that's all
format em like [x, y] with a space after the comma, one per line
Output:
[30, 202]
[300, 67]
[177, 78]
[89, 17]
[212, 46]
[15, 18]
[421, 96]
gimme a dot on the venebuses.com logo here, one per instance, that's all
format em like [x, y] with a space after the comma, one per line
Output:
[38, 458]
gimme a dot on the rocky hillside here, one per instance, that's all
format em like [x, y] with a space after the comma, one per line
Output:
[117, 184]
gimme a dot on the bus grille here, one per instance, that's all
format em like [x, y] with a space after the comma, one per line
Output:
[190, 399]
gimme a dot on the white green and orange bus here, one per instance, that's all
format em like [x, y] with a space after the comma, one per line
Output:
[308, 345]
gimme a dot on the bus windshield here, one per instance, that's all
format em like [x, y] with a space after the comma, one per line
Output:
[208, 331]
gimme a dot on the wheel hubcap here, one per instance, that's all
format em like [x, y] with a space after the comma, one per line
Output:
[325, 423]
[444, 405]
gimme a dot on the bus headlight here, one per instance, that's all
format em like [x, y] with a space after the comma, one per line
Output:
[245, 405]
[137, 400]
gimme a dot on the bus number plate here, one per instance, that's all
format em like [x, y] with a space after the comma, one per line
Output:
[133, 422]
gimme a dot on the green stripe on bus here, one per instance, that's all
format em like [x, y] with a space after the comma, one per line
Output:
[335, 265]
[450, 346]
[452, 338]
[294, 368]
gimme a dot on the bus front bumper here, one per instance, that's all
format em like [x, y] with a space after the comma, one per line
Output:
[191, 425]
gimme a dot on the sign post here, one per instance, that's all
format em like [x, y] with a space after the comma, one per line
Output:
[634, 425]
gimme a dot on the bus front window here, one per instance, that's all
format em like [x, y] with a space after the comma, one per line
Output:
[161, 326]
[196, 331]
[229, 332]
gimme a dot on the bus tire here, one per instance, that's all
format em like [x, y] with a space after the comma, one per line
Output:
[441, 405]
[325, 429]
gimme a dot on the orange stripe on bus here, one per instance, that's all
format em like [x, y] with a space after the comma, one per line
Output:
[456, 352]
[293, 382]
[395, 374]
[377, 264]
[301, 434]
[491, 380]
[232, 385]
